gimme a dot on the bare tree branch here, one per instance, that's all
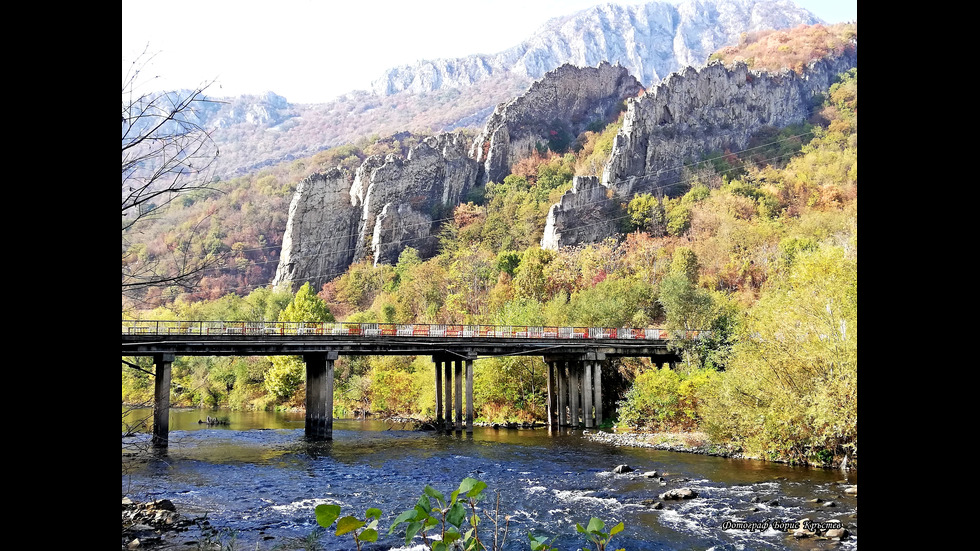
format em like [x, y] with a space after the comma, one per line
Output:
[166, 151]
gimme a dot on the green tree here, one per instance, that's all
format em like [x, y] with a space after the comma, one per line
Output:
[790, 391]
[529, 281]
[287, 372]
[646, 214]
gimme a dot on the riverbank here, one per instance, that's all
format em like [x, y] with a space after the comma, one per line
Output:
[687, 442]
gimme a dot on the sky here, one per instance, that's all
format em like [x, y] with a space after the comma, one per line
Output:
[311, 51]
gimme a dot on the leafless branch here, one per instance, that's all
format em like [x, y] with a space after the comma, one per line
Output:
[166, 151]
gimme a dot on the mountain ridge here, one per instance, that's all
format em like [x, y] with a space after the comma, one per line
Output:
[259, 130]
[651, 40]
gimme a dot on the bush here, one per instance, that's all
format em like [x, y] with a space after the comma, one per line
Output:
[664, 400]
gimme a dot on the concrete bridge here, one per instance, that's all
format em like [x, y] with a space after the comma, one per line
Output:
[574, 355]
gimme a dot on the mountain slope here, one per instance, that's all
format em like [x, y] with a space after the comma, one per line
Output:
[650, 40]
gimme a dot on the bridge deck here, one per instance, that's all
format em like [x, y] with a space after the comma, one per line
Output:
[282, 338]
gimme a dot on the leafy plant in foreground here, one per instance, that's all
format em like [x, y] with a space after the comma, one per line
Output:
[327, 514]
[458, 526]
[595, 533]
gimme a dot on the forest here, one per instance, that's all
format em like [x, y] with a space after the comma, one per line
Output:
[760, 249]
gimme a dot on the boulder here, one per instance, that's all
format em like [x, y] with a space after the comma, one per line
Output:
[620, 469]
[679, 493]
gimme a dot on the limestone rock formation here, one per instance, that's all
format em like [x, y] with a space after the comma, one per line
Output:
[564, 102]
[690, 113]
[651, 40]
[403, 197]
[390, 203]
[587, 199]
[321, 232]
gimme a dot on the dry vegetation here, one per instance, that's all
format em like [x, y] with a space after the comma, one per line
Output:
[794, 49]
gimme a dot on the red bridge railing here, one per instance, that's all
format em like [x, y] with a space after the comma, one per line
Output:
[270, 328]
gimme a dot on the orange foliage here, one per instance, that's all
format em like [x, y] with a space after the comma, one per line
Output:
[775, 50]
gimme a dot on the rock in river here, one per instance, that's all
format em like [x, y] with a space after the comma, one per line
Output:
[679, 493]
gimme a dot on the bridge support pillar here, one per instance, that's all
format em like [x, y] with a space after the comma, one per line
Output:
[161, 402]
[550, 402]
[449, 393]
[469, 394]
[562, 376]
[458, 368]
[438, 363]
[319, 395]
[597, 383]
[587, 393]
[574, 382]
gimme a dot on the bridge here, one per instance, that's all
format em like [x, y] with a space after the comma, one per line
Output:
[574, 356]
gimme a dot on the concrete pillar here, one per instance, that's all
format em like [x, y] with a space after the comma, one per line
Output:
[161, 401]
[458, 367]
[562, 394]
[319, 395]
[550, 403]
[587, 393]
[573, 385]
[597, 384]
[449, 393]
[438, 391]
[469, 395]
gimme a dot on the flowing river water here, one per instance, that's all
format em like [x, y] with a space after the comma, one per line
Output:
[258, 481]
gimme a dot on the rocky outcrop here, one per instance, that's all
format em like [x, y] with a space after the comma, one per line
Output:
[692, 112]
[404, 197]
[650, 40]
[557, 107]
[389, 204]
[321, 232]
[587, 199]
[394, 202]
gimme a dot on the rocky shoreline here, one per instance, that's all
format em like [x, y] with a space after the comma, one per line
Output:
[686, 442]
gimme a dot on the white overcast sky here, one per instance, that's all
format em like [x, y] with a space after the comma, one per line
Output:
[311, 51]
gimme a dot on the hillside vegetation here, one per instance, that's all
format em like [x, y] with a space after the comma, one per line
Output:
[761, 249]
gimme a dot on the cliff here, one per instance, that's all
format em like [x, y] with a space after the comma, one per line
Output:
[563, 103]
[390, 203]
[687, 115]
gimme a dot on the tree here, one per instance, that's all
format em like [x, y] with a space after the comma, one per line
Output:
[791, 387]
[287, 372]
[165, 153]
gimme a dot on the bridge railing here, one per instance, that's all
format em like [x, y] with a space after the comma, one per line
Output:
[271, 328]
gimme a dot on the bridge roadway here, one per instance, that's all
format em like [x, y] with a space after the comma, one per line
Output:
[574, 357]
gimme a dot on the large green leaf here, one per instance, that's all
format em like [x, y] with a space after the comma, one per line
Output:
[373, 512]
[348, 524]
[472, 487]
[406, 516]
[368, 535]
[413, 528]
[451, 536]
[595, 525]
[616, 529]
[456, 515]
[424, 504]
[432, 492]
[326, 514]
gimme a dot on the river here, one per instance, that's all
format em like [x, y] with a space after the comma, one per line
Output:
[258, 480]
